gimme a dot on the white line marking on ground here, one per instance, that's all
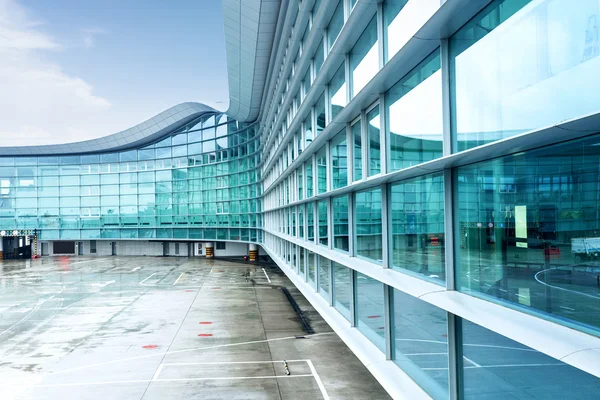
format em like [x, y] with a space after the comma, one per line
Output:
[561, 288]
[472, 362]
[177, 280]
[234, 362]
[267, 276]
[160, 380]
[184, 351]
[157, 373]
[142, 282]
[135, 269]
[318, 379]
[25, 318]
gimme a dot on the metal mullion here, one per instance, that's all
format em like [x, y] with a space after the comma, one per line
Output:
[446, 100]
[353, 299]
[388, 316]
[349, 154]
[455, 357]
[351, 239]
[330, 220]
[330, 283]
[364, 145]
[383, 136]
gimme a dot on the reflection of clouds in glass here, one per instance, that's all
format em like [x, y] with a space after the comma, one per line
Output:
[339, 98]
[418, 113]
[366, 69]
[508, 81]
[410, 19]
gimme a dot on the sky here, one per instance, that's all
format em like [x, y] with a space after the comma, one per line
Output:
[73, 70]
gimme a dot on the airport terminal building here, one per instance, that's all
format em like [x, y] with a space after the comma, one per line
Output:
[426, 172]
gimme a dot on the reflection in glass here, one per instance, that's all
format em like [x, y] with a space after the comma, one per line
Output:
[340, 223]
[529, 229]
[357, 139]
[337, 91]
[417, 208]
[335, 24]
[324, 277]
[323, 221]
[364, 57]
[321, 170]
[374, 141]
[342, 289]
[419, 340]
[414, 117]
[504, 80]
[320, 114]
[495, 367]
[368, 224]
[370, 319]
[339, 160]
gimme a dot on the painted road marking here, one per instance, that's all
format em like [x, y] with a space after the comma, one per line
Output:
[318, 379]
[135, 269]
[142, 282]
[177, 280]
[267, 276]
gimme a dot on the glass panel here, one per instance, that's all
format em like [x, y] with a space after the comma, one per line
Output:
[528, 228]
[308, 130]
[519, 53]
[309, 179]
[336, 24]
[402, 19]
[414, 117]
[356, 134]
[496, 367]
[339, 160]
[310, 221]
[324, 277]
[337, 91]
[318, 57]
[321, 171]
[420, 344]
[370, 319]
[323, 222]
[320, 114]
[364, 57]
[368, 224]
[340, 223]
[374, 141]
[417, 208]
[342, 289]
[312, 269]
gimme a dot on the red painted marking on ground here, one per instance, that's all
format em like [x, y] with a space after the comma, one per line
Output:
[205, 323]
[205, 334]
[150, 346]
[374, 316]
[216, 288]
[221, 270]
[189, 290]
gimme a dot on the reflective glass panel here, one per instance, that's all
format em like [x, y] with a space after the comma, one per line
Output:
[357, 139]
[374, 141]
[368, 224]
[340, 223]
[414, 115]
[337, 91]
[339, 160]
[323, 222]
[364, 58]
[417, 242]
[370, 319]
[324, 277]
[322, 170]
[342, 289]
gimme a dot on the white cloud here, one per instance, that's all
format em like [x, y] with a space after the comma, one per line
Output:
[89, 36]
[39, 102]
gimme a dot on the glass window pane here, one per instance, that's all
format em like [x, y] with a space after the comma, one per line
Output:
[498, 74]
[310, 221]
[356, 134]
[309, 179]
[312, 269]
[324, 277]
[321, 171]
[339, 160]
[336, 24]
[528, 229]
[414, 117]
[320, 115]
[337, 91]
[342, 289]
[417, 208]
[323, 222]
[495, 367]
[370, 319]
[319, 57]
[373, 121]
[340, 223]
[419, 337]
[368, 224]
[364, 57]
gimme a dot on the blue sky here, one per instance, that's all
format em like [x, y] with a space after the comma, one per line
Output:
[73, 70]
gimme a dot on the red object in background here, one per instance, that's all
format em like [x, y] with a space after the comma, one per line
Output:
[150, 346]
[205, 334]
[205, 323]
[552, 251]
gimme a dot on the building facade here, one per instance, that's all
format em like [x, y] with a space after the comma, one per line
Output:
[426, 172]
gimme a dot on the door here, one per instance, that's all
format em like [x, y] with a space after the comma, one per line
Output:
[79, 248]
[165, 249]
[114, 248]
[44, 248]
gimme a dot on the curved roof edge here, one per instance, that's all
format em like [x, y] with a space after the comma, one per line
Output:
[138, 136]
[250, 27]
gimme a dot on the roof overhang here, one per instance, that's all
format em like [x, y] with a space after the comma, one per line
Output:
[138, 136]
[249, 33]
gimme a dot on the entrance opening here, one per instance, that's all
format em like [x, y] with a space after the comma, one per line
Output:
[114, 248]
[16, 247]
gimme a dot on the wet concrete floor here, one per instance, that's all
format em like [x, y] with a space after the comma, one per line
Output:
[165, 328]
